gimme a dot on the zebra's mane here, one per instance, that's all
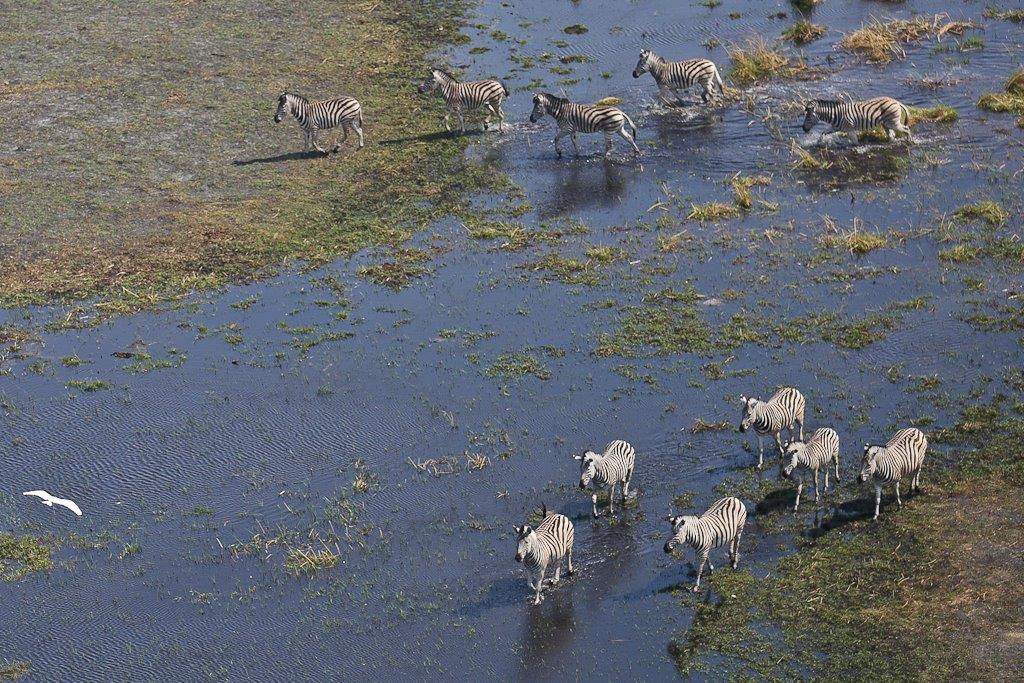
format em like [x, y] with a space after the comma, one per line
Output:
[555, 99]
[446, 74]
[287, 94]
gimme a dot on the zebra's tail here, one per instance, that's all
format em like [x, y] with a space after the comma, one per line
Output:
[505, 88]
[904, 114]
[720, 82]
[543, 510]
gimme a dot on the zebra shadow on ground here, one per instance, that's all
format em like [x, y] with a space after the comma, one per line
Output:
[512, 591]
[288, 156]
[432, 137]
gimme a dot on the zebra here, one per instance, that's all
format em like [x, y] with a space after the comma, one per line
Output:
[537, 548]
[611, 467]
[903, 455]
[722, 523]
[314, 116]
[784, 409]
[848, 117]
[674, 76]
[463, 97]
[575, 118]
[815, 454]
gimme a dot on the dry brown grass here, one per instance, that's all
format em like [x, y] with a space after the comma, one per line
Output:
[758, 60]
[882, 41]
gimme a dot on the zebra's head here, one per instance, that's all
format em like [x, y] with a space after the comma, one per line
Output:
[283, 107]
[432, 82]
[810, 116]
[790, 458]
[644, 65]
[587, 466]
[524, 538]
[870, 461]
[679, 530]
[747, 419]
[541, 104]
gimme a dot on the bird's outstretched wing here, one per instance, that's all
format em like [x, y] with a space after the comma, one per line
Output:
[42, 494]
[69, 504]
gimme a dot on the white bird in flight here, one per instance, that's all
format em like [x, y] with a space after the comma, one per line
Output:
[49, 500]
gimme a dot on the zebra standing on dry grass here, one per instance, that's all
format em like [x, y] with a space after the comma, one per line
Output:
[314, 116]
[850, 117]
[609, 468]
[781, 411]
[722, 523]
[537, 548]
[902, 457]
[816, 454]
[462, 97]
[674, 76]
[575, 118]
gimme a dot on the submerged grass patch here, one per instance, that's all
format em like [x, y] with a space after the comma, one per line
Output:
[712, 211]
[758, 60]
[23, 555]
[515, 365]
[667, 322]
[856, 241]
[803, 32]
[14, 670]
[988, 211]
[942, 113]
[1010, 100]
[882, 41]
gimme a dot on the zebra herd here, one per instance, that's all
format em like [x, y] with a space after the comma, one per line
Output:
[574, 117]
[722, 524]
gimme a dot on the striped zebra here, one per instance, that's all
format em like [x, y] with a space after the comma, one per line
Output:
[722, 523]
[314, 116]
[674, 76]
[811, 456]
[903, 455]
[462, 97]
[575, 118]
[609, 468]
[537, 548]
[781, 411]
[849, 117]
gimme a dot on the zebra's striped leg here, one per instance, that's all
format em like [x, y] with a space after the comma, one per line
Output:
[611, 500]
[312, 136]
[570, 571]
[625, 488]
[760, 451]
[344, 138]
[462, 121]
[736, 550]
[817, 496]
[700, 569]
[558, 137]
[575, 146]
[593, 499]
[359, 131]
[447, 121]
[778, 441]
[837, 470]
[916, 483]
[558, 573]
[487, 121]
[501, 118]
[899, 503]
[607, 144]
[540, 585]
[878, 500]
[305, 141]
[799, 490]
[630, 139]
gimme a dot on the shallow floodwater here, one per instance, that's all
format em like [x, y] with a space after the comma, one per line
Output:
[253, 431]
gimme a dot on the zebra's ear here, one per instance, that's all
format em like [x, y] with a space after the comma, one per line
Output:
[577, 457]
[743, 399]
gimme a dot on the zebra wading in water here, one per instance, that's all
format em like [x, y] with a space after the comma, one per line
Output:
[537, 548]
[722, 523]
[462, 97]
[820, 451]
[902, 457]
[851, 117]
[609, 468]
[575, 118]
[314, 116]
[674, 76]
[784, 409]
